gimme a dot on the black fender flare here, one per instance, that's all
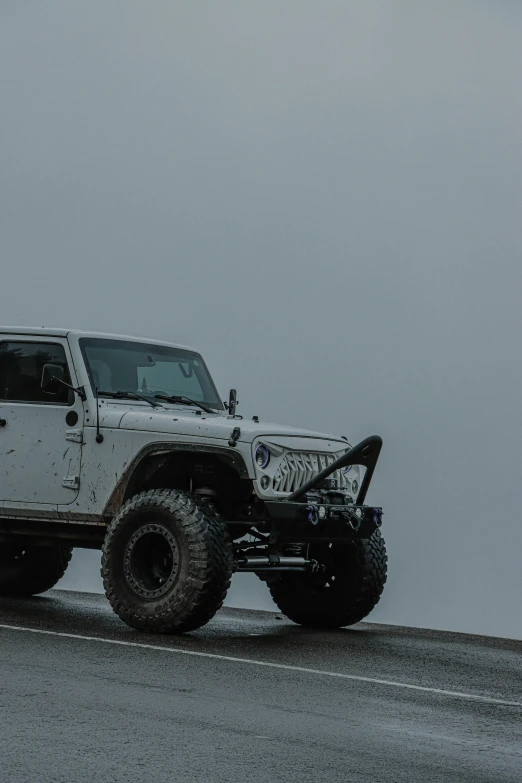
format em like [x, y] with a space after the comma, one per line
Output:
[228, 455]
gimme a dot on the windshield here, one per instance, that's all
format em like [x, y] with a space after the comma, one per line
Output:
[122, 365]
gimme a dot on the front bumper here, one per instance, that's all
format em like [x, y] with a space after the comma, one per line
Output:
[304, 517]
[291, 521]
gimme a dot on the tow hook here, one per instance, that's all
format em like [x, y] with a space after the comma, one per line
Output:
[313, 514]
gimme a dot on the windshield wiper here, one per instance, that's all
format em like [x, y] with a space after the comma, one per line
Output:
[128, 395]
[184, 401]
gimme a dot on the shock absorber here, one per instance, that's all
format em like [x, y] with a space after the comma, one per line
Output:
[208, 497]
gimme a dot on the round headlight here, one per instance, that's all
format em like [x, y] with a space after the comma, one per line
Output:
[262, 455]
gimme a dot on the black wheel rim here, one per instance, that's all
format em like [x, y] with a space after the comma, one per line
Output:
[151, 561]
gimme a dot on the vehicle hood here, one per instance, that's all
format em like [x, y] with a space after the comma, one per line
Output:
[187, 422]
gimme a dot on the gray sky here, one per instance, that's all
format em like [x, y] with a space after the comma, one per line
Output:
[326, 199]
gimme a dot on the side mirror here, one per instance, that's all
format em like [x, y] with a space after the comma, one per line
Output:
[52, 374]
[232, 402]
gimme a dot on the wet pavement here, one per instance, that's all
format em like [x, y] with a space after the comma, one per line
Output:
[250, 697]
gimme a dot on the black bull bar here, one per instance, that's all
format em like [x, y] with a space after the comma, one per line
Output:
[295, 518]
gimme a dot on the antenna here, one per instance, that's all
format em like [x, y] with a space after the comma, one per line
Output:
[99, 436]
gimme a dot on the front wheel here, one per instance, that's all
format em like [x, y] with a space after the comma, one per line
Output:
[343, 593]
[166, 563]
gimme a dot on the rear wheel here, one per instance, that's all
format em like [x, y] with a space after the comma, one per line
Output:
[167, 562]
[342, 594]
[29, 570]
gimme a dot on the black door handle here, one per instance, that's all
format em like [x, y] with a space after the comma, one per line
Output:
[2, 422]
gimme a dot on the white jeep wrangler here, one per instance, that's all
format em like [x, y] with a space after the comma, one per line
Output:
[123, 445]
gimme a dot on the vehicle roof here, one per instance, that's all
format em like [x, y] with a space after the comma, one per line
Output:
[45, 331]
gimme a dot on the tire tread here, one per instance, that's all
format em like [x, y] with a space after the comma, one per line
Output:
[369, 569]
[211, 564]
[37, 571]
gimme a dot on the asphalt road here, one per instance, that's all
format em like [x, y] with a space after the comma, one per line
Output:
[250, 698]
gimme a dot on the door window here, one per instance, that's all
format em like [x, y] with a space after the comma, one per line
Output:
[21, 365]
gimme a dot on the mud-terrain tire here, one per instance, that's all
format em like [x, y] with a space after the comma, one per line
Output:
[342, 595]
[30, 570]
[166, 562]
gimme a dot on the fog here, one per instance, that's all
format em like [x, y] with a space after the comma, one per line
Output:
[326, 200]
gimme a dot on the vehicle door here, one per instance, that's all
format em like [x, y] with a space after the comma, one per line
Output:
[41, 430]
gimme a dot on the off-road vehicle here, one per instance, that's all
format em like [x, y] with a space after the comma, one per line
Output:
[122, 444]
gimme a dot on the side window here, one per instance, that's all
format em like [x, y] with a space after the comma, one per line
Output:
[21, 365]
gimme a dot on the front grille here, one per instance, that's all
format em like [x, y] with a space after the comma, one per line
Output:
[296, 468]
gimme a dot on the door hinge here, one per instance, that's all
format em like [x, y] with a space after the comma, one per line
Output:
[71, 482]
[75, 435]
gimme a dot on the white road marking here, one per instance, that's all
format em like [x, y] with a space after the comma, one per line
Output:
[270, 665]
